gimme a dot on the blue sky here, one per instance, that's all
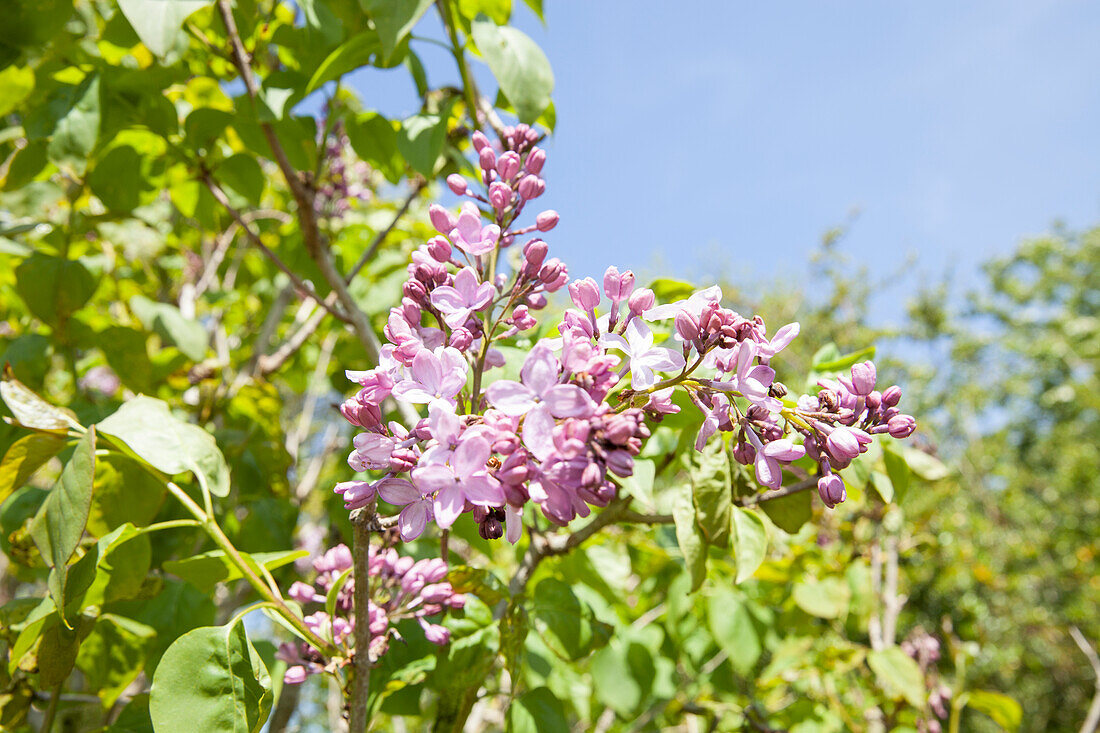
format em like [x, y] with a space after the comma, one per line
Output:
[742, 131]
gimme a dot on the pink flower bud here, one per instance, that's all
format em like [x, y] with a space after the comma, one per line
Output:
[508, 165]
[554, 275]
[686, 326]
[641, 300]
[440, 249]
[479, 140]
[892, 396]
[831, 489]
[842, 445]
[435, 633]
[461, 339]
[611, 283]
[402, 459]
[744, 453]
[522, 318]
[301, 592]
[531, 187]
[436, 592]
[863, 377]
[585, 294]
[902, 426]
[620, 463]
[874, 400]
[547, 220]
[500, 195]
[535, 160]
[295, 675]
[534, 252]
[443, 220]
[457, 183]
[487, 158]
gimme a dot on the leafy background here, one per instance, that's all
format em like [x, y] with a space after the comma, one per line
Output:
[152, 245]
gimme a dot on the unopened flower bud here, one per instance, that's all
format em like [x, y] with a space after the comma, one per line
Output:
[479, 140]
[522, 318]
[457, 183]
[902, 426]
[535, 160]
[842, 445]
[585, 294]
[611, 283]
[874, 400]
[295, 675]
[500, 195]
[435, 633]
[443, 220]
[547, 220]
[487, 158]
[440, 249]
[531, 187]
[461, 339]
[686, 326]
[534, 252]
[744, 453]
[508, 165]
[641, 300]
[863, 377]
[831, 489]
[490, 529]
[892, 396]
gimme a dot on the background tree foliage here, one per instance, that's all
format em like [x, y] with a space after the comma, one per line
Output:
[171, 226]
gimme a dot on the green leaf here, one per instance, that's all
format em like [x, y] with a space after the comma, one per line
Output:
[499, 11]
[840, 363]
[712, 492]
[53, 288]
[1004, 711]
[623, 676]
[16, 84]
[566, 624]
[359, 50]
[60, 522]
[897, 470]
[30, 410]
[421, 141]
[159, 23]
[32, 24]
[882, 485]
[827, 598]
[374, 139]
[519, 65]
[210, 568]
[898, 675]
[478, 581]
[76, 130]
[113, 655]
[241, 174]
[24, 458]
[668, 290]
[750, 542]
[394, 19]
[639, 485]
[124, 493]
[170, 445]
[167, 322]
[211, 678]
[925, 466]
[731, 624]
[692, 544]
[57, 653]
[790, 512]
[117, 179]
[537, 711]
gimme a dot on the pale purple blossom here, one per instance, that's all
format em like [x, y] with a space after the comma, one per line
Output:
[645, 358]
[466, 296]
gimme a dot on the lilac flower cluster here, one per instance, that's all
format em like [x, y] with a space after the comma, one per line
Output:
[345, 178]
[401, 588]
[925, 650]
[563, 433]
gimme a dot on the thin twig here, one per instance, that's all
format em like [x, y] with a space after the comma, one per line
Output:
[379, 238]
[1092, 719]
[254, 238]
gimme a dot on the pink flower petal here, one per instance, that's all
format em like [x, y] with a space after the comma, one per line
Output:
[568, 400]
[449, 503]
[511, 398]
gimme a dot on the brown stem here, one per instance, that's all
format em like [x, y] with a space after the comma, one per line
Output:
[361, 661]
